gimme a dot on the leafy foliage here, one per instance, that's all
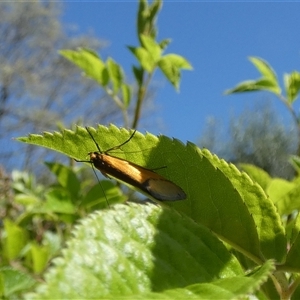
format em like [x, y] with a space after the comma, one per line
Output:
[292, 86]
[283, 193]
[219, 196]
[137, 249]
[39, 220]
[185, 166]
[268, 81]
[13, 281]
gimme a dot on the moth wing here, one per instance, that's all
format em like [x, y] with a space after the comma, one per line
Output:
[164, 190]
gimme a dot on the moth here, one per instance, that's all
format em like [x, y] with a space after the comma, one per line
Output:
[144, 179]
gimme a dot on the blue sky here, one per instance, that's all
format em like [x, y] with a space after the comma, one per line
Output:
[216, 38]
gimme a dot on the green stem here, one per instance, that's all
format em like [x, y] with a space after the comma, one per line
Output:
[281, 284]
[294, 285]
[119, 103]
[142, 91]
[141, 95]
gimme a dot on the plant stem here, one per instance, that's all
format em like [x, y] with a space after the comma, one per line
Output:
[141, 95]
[294, 285]
[142, 91]
[119, 103]
[281, 284]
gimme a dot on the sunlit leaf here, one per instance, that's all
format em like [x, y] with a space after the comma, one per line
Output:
[171, 65]
[126, 94]
[116, 75]
[264, 68]
[133, 251]
[257, 174]
[89, 62]
[216, 192]
[152, 47]
[144, 58]
[285, 194]
[267, 82]
[14, 281]
[66, 177]
[292, 85]
[293, 257]
[15, 239]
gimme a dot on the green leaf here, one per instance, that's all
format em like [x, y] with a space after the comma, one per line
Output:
[257, 174]
[53, 241]
[40, 255]
[279, 187]
[89, 62]
[2, 288]
[271, 234]
[229, 288]
[268, 82]
[141, 16]
[126, 93]
[144, 58]
[254, 86]
[58, 201]
[15, 239]
[66, 177]
[292, 85]
[134, 250]
[138, 74]
[295, 162]
[146, 17]
[178, 61]
[293, 257]
[265, 69]
[26, 200]
[15, 281]
[23, 182]
[164, 43]
[171, 65]
[115, 74]
[232, 288]
[285, 194]
[152, 47]
[216, 192]
[98, 196]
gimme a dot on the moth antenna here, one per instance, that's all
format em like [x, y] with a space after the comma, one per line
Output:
[100, 186]
[88, 161]
[98, 147]
[93, 139]
[119, 146]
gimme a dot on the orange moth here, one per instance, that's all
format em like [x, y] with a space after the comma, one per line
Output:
[146, 180]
